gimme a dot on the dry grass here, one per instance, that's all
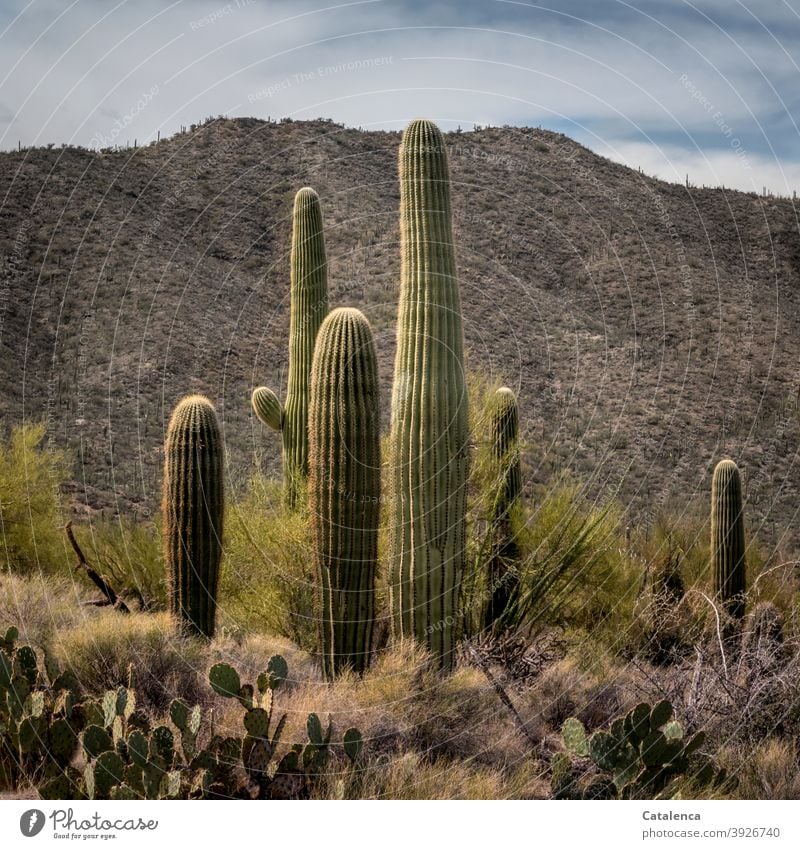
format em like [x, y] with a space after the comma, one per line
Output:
[769, 771]
[428, 736]
[40, 605]
[146, 650]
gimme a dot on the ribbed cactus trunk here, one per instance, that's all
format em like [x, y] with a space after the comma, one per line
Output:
[344, 486]
[503, 577]
[192, 507]
[308, 308]
[429, 440]
[727, 537]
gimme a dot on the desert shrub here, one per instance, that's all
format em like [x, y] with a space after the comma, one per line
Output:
[268, 581]
[110, 649]
[666, 631]
[668, 622]
[130, 555]
[31, 504]
[574, 569]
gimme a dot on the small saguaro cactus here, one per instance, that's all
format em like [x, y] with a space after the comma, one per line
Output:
[309, 306]
[727, 537]
[503, 576]
[344, 486]
[193, 506]
[429, 438]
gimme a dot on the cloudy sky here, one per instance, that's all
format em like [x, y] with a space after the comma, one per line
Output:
[709, 88]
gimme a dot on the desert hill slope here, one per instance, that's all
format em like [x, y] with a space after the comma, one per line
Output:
[647, 327]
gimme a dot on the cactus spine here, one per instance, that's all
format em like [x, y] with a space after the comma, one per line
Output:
[344, 486]
[309, 306]
[503, 574]
[193, 504]
[727, 537]
[429, 405]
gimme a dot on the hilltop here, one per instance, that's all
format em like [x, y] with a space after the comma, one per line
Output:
[648, 327]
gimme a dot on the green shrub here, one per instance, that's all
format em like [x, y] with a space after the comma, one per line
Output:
[130, 555]
[574, 569]
[31, 504]
[268, 581]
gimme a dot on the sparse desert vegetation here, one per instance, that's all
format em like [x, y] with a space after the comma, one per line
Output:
[427, 618]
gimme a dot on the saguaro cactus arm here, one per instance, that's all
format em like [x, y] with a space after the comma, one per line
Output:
[267, 407]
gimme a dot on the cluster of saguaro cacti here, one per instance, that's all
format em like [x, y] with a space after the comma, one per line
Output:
[193, 504]
[727, 538]
[344, 486]
[330, 425]
[429, 439]
[309, 306]
[503, 578]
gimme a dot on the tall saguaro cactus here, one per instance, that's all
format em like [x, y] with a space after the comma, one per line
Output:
[344, 486]
[193, 506]
[429, 462]
[503, 577]
[309, 306]
[727, 537]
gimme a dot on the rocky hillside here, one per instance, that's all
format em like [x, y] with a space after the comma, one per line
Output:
[648, 327]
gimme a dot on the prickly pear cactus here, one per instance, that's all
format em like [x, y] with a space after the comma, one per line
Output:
[429, 438]
[46, 722]
[644, 753]
[192, 507]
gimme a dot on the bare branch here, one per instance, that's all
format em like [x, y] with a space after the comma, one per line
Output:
[99, 582]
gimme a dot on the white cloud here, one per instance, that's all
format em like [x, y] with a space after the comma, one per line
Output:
[129, 70]
[747, 172]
